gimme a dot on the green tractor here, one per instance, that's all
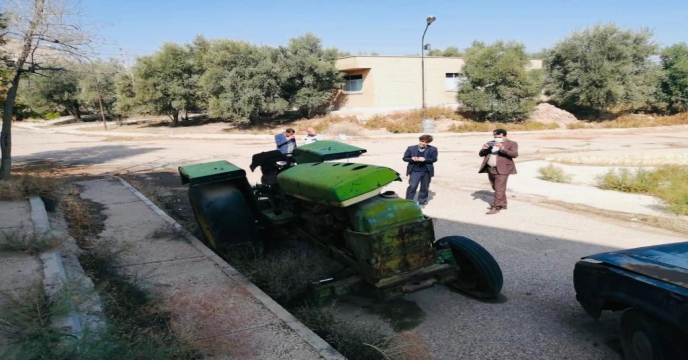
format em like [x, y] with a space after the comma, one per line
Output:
[340, 209]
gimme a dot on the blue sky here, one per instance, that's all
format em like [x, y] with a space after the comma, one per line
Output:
[383, 26]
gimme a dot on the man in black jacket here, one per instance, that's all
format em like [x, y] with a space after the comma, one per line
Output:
[420, 168]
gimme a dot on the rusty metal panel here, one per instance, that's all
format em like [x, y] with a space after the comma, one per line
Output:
[393, 251]
[668, 262]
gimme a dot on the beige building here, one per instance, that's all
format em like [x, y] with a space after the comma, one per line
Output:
[377, 84]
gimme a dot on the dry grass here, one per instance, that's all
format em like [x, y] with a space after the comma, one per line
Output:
[83, 219]
[140, 325]
[165, 232]
[578, 125]
[473, 126]
[25, 184]
[363, 341]
[284, 274]
[633, 121]
[410, 121]
[205, 313]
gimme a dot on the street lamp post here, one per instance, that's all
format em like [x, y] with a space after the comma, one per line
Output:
[429, 21]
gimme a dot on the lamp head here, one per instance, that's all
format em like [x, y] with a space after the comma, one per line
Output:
[430, 19]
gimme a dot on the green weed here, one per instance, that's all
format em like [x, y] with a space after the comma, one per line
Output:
[554, 174]
[27, 242]
[669, 183]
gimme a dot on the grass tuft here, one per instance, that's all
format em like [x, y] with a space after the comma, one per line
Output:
[23, 185]
[137, 317]
[165, 232]
[83, 217]
[364, 341]
[28, 242]
[554, 174]
[25, 322]
[668, 182]
[283, 274]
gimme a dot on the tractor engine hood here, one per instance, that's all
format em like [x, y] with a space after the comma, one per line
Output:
[326, 150]
[335, 184]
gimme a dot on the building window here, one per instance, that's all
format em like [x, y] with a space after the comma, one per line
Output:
[354, 83]
[451, 81]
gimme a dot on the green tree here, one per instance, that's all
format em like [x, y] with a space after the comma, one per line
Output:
[674, 82]
[494, 82]
[450, 51]
[601, 68]
[165, 83]
[57, 92]
[311, 75]
[31, 25]
[97, 85]
[242, 82]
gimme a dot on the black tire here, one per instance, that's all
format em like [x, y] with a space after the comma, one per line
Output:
[223, 215]
[479, 274]
[644, 338]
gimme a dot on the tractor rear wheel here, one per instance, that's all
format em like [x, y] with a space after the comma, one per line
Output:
[223, 215]
[479, 274]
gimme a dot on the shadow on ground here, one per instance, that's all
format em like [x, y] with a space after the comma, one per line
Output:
[537, 315]
[80, 157]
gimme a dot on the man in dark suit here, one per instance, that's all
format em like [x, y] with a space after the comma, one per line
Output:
[498, 163]
[420, 168]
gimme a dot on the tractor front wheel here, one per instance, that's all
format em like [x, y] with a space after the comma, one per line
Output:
[479, 274]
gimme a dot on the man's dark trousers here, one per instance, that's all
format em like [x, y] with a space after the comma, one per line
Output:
[418, 177]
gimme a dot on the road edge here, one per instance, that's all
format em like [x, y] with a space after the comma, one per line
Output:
[321, 346]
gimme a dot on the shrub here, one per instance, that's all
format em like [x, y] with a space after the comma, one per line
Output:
[554, 174]
[669, 183]
[22, 186]
[496, 83]
[52, 115]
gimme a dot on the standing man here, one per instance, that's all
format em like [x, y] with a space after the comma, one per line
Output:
[286, 142]
[311, 137]
[498, 163]
[420, 168]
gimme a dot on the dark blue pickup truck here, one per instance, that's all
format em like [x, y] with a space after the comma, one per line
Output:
[651, 285]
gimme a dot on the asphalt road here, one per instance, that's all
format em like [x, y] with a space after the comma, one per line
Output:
[536, 245]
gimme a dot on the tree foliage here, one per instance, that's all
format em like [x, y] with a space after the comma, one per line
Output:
[58, 92]
[495, 84]
[242, 81]
[603, 67]
[31, 25]
[450, 51]
[165, 83]
[311, 75]
[97, 85]
[674, 82]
